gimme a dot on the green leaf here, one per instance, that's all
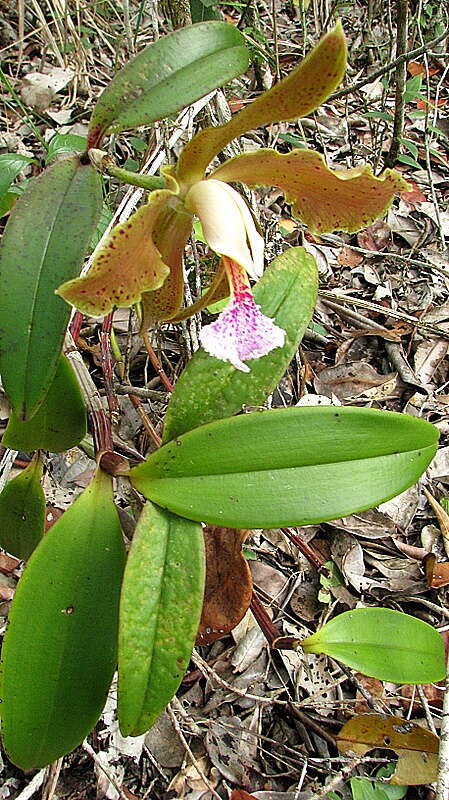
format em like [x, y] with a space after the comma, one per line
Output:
[60, 421]
[210, 389]
[413, 88]
[22, 511]
[383, 644]
[201, 11]
[160, 610]
[411, 162]
[44, 243]
[295, 466]
[11, 164]
[169, 75]
[365, 789]
[59, 650]
[63, 143]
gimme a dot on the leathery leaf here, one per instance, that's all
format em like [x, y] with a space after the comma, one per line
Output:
[22, 511]
[43, 245]
[169, 75]
[59, 650]
[295, 466]
[160, 610]
[60, 421]
[382, 643]
[210, 389]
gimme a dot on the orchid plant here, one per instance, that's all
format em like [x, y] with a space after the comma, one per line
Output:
[142, 259]
[84, 606]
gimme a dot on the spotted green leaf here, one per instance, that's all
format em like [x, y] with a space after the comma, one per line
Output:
[210, 389]
[295, 466]
[59, 650]
[22, 511]
[43, 245]
[160, 610]
[168, 75]
[60, 421]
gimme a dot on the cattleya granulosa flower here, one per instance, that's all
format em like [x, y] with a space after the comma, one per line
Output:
[142, 258]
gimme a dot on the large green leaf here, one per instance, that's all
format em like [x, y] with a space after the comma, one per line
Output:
[43, 245]
[383, 644]
[58, 424]
[22, 511]
[160, 610]
[11, 164]
[294, 466]
[59, 651]
[210, 389]
[169, 75]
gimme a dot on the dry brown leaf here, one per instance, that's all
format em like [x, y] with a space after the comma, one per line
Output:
[416, 747]
[437, 572]
[349, 380]
[229, 583]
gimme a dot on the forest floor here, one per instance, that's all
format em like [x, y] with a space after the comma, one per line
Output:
[246, 716]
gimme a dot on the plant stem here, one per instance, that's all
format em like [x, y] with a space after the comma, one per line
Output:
[442, 791]
[148, 182]
[400, 81]
[389, 67]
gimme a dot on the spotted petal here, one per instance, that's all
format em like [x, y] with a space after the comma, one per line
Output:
[241, 332]
[301, 92]
[325, 199]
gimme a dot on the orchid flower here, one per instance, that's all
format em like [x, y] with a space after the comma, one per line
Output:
[142, 258]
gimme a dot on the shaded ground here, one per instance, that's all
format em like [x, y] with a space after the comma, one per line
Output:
[379, 339]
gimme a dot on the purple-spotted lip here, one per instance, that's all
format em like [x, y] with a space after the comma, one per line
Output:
[241, 333]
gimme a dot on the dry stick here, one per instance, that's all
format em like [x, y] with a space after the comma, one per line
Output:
[188, 750]
[156, 363]
[33, 786]
[52, 779]
[400, 80]
[388, 67]
[308, 722]
[388, 312]
[106, 366]
[139, 391]
[146, 422]
[442, 792]
[111, 778]
[309, 552]
[98, 421]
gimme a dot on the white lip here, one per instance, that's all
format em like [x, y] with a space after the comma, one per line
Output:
[228, 226]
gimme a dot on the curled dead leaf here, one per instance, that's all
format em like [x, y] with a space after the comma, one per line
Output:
[229, 583]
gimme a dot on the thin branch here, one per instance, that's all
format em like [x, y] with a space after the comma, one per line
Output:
[412, 54]
[400, 81]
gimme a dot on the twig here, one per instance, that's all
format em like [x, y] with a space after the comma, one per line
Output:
[111, 778]
[188, 750]
[400, 79]
[337, 779]
[442, 791]
[99, 423]
[389, 312]
[33, 786]
[6, 465]
[52, 779]
[308, 722]
[106, 366]
[139, 391]
[412, 54]
[156, 363]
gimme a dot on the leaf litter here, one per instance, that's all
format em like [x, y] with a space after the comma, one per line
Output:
[251, 721]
